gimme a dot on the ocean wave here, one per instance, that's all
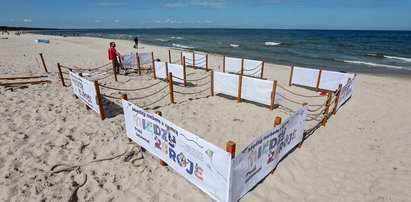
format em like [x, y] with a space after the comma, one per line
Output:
[182, 46]
[373, 64]
[234, 45]
[270, 43]
[178, 37]
[390, 57]
[163, 40]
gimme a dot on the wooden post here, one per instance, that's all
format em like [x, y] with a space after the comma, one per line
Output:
[100, 102]
[154, 69]
[277, 122]
[169, 56]
[170, 80]
[114, 69]
[194, 60]
[273, 95]
[138, 65]
[230, 148]
[318, 80]
[162, 163]
[291, 75]
[61, 75]
[301, 143]
[337, 98]
[212, 83]
[207, 62]
[184, 72]
[224, 64]
[81, 75]
[25, 82]
[181, 58]
[242, 66]
[167, 79]
[240, 83]
[327, 109]
[44, 64]
[262, 69]
[24, 77]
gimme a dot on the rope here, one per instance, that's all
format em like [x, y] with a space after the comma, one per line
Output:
[177, 61]
[249, 70]
[178, 78]
[156, 100]
[104, 77]
[200, 85]
[109, 96]
[139, 98]
[198, 79]
[86, 69]
[299, 103]
[313, 110]
[135, 89]
[308, 96]
[196, 59]
[259, 70]
[184, 93]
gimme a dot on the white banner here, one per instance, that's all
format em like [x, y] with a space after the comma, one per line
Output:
[85, 91]
[252, 67]
[177, 70]
[233, 65]
[200, 60]
[330, 80]
[305, 76]
[226, 83]
[129, 60]
[346, 92]
[204, 164]
[145, 58]
[257, 90]
[261, 156]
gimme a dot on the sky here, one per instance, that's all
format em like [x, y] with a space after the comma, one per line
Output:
[266, 14]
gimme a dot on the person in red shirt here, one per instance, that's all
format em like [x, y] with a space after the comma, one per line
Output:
[112, 55]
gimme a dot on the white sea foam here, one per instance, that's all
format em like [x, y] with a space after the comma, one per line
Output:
[270, 43]
[182, 46]
[234, 45]
[398, 58]
[373, 64]
[178, 37]
[163, 40]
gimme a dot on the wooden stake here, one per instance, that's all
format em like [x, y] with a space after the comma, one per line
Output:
[242, 66]
[262, 69]
[114, 69]
[181, 58]
[318, 80]
[167, 79]
[169, 56]
[273, 95]
[230, 148]
[337, 99]
[99, 101]
[26, 82]
[170, 79]
[162, 163]
[154, 69]
[61, 75]
[194, 60]
[212, 83]
[291, 75]
[277, 122]
[44, 64]
[327, 109]
[301, 143]
[240, 83]
[224, 64]
[138, 65]
[184, 72]
[207, 62]
[24, 77]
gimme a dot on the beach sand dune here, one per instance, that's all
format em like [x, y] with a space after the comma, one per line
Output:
[361, 154]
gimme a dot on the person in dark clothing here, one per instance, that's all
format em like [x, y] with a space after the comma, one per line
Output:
[136, 42]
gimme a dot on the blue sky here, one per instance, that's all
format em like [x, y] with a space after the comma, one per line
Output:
[281, 14]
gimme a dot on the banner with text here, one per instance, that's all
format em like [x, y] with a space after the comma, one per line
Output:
[85, 90]
[261, 156]
[204, 164]
[346, 92]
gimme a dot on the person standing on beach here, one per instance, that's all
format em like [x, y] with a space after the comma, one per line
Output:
[136, 42]
[112, 55]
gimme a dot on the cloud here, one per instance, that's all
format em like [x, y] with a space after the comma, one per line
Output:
[98, 21]
[108, 4]
[204, 3]
[205, 22]
[116, 20]
[156, 21]
[27, 20]
[170, 21]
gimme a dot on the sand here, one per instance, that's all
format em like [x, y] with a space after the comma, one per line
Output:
[361, 154]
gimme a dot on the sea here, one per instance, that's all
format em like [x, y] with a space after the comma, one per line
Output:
[371, 52]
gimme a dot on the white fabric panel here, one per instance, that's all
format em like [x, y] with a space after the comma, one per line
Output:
[189, 58]
[330, 80]
[233, 65]
[256, 90]
[129, 60]
[200, 60]
[226, 83]
[145, 58]
[252, 67]
[305, 76]
[177, 71]
[161, 70]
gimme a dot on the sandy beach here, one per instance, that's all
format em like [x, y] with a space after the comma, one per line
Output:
[362, 154]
